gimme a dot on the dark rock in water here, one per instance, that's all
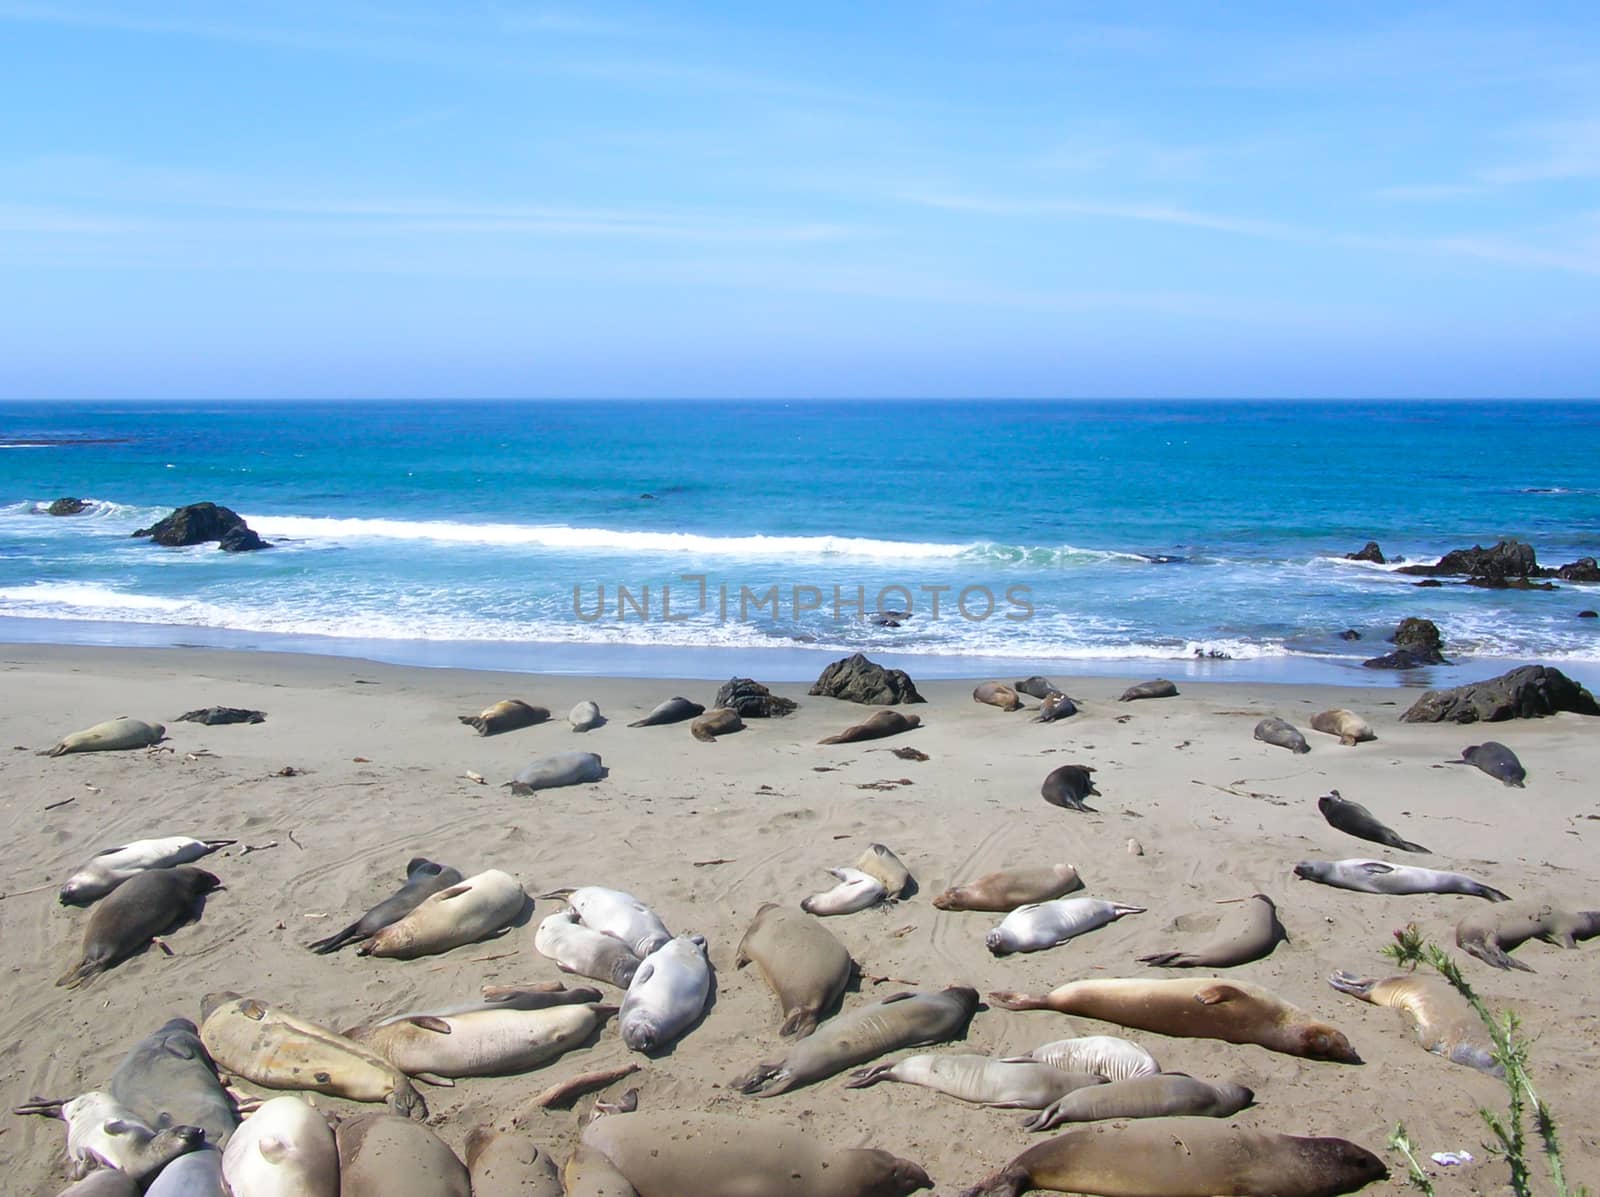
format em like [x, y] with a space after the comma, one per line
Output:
[1429, 582]
[1349, 634]
[1507, 559]
[1368, 552]
[211, 716]
[1511, 584]
[1584, 569]
[752, 700]
[647, 495]
[1529, 692]
[888, 619]
[74, 506]
[1416, 642]
[201, 522]
[856, 679]
[1589, 614]
[242, 540]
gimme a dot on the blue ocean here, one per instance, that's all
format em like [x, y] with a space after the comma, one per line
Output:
[689, 538]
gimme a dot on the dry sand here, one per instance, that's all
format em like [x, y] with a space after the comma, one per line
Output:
[382, 763]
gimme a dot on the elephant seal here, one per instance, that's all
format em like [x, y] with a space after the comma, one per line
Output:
[1002, 1084]
[668, 993]
[1185, 1157]
[1156, 688]
[103, 1133]
[1102, 1055]
[107, 1182]
[719, 721]
[1197, 1008]
[543, 995]
[585, 951]
[1046, 924]
[510, 1164]
[504, 716]
[141, 908]
[1443, 1021]
[587, 1173]
[1068, 785]
[1281, 734]
[1056, 705]
[1495, 759]
[856, 891]
[556, 770]
[493, 1042]
[114, 735]
[677, 1154]
[1354, 819]
[997, 694]
[168, 1079]
[1169, 1095]
[108, 869]
[674, 710]
[1248, 932]
[1492, 932]
[1351, 728]
[880, 862]
[806, 968]
[1008, 889]
[384, 1156]
[585, 716]
[277, 1050]
[471, 910]
[901, 1020]
[875, 727]
[613, 912]
[1036, 687]
[284, 1149]
[424, 878]
[1380, 877]
[198, 1174]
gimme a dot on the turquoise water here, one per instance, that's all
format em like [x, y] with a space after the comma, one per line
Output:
[1109, 537]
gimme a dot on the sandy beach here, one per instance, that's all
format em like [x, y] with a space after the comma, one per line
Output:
[707, 832]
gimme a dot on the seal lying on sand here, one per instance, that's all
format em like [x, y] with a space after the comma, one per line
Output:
[1169, 1095]
[504, 716]
[881, 862]
[1351, 728]
[1104, 1055]
[424, 878]
[1157, 688]
[585, 951]
[613, 912]
[1495, 759]
[585, 716]
[285, 1147]
[804, 965]
[556, 770]
[997, 694]
[1035, 686]
[1068, 785]
[1056, 705]
[667, 994]
[876, 727]
[168, 1079]
[674, 710]
[1354, 819]
[1380, 877]
[108, 869]
[468, 911]
[1000, 1084]
[114, 735]
[486, 1042]
[1492, 932]
[856, 891]
[1010, 888]
[510, 1164]
[384, 1156]
[141, 908]
[719, 721]
[1046, 924]
[1282, 734]
[1249, 931]
[197, 1174]
[1443, 1021]
[103, 1133]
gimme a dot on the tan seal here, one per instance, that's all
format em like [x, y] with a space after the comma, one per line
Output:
[719, 721]
[474, 909]
[997, 694]
[1351, 728]
[1491, 933]
[1002, 1084]
[805, 966]
[1443, 1021]
[1009, 888]
[876, 727]
[114, 735]
[484, 1042]
[384, 1156]
[506, 715]
[880, 862]
[1168, 1095]
[510, 1164]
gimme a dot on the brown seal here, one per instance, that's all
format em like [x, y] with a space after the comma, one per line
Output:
[1492, 932]
[1156, 688]
[1185, 1157]
[997, 694]
[884, 723]
[510, 1164]
[506, 715]
[1165, 1095]
[1443, 1021]
[381, 1155]
[1006, 890]
[1351, 728]
[1197, 1008]
[718, 721]
[141, 908]
[1248, 932]
[806, 967]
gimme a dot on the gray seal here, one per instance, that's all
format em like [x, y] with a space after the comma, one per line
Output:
[1354, 819]
[804, 965]
[114, 735]
[674, 710]
[556, 770]
[1167, 1095]
[1056, 705]
[1046, 924]
[584, 951]
[168, 1079]
[1493, 932]
[424, 878]
[198, 1174]
[141, 908]
[1495, 759]
[999, 1084]
[666, 995]
[108, 869]
[102, 1133]
[1068, 785]
[1156, 688]
[1036, 687]
[1249, 932]
[107, 1182]
[1381, 877]
[1282, 734]
[585, 716]
[506, 715]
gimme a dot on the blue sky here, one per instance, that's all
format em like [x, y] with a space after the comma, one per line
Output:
[395, 198]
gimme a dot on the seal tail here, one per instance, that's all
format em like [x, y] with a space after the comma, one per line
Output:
[45, 1107]
[1172, 959]
[799, 1024]
[1494, 954]
[1488, 891]
[764, 1080]
[556, 894]
[864, 1077]
[217, 845]
[80, 973]
[333, 943]
[59, 750]
[476, 722]
[1010, 1000]
[1407, 846]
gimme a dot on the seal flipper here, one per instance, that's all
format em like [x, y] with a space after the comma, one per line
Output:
[1494, 954]
[863, 1077]
[1215, 995]
[343, 939]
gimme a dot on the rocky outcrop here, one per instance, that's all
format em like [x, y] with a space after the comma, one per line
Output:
[752, 700]
[1416, 642]
[199, 523]
[1584, 569]
[1368, 552]
[1530, 692]
[67, 506]
[243, 539]
[856, 679]
[1507, 559]
[1349, 634]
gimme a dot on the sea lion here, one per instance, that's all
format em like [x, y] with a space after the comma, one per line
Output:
[585, 951]
[1195, 1008]
[613, 912]
[556, 770]
[1185, 1157]
[284, 1149]
[1169, 1095]
[1495, 759]
[585, 716]
[1102, 1055]
[506, 715]
[1002, 1084]
[1491, 932]
[1056, 705]
[901, 1020]
[674, 710]
[108, 869]
[1380, 877]
[497, 1042]
[875, 727]
[1008, 889]
[278, 1050]
[1046, 924]
[719, 721]
[384, 1156]
[1249, 931]
[144, 906]
[1156, 688]
[424, 878]
[168, 1079]
[1354, 819]
[1281, 734]
[878, 861]
[1351, 728]
[587, 1173]
[1443, 1021]
[103, 1133]
[1036, 687]
[804, 965]
[997, 694]
[197, 1174]
[510, 1164]
[114, 735]
[1068, 785]
[667, 994]
[678, 1154]
[471, 910]
[107, 1182]
[856, 891]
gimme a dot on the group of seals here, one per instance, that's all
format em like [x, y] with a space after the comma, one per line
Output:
[466, 912]
[110, 868]
[424, 878]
